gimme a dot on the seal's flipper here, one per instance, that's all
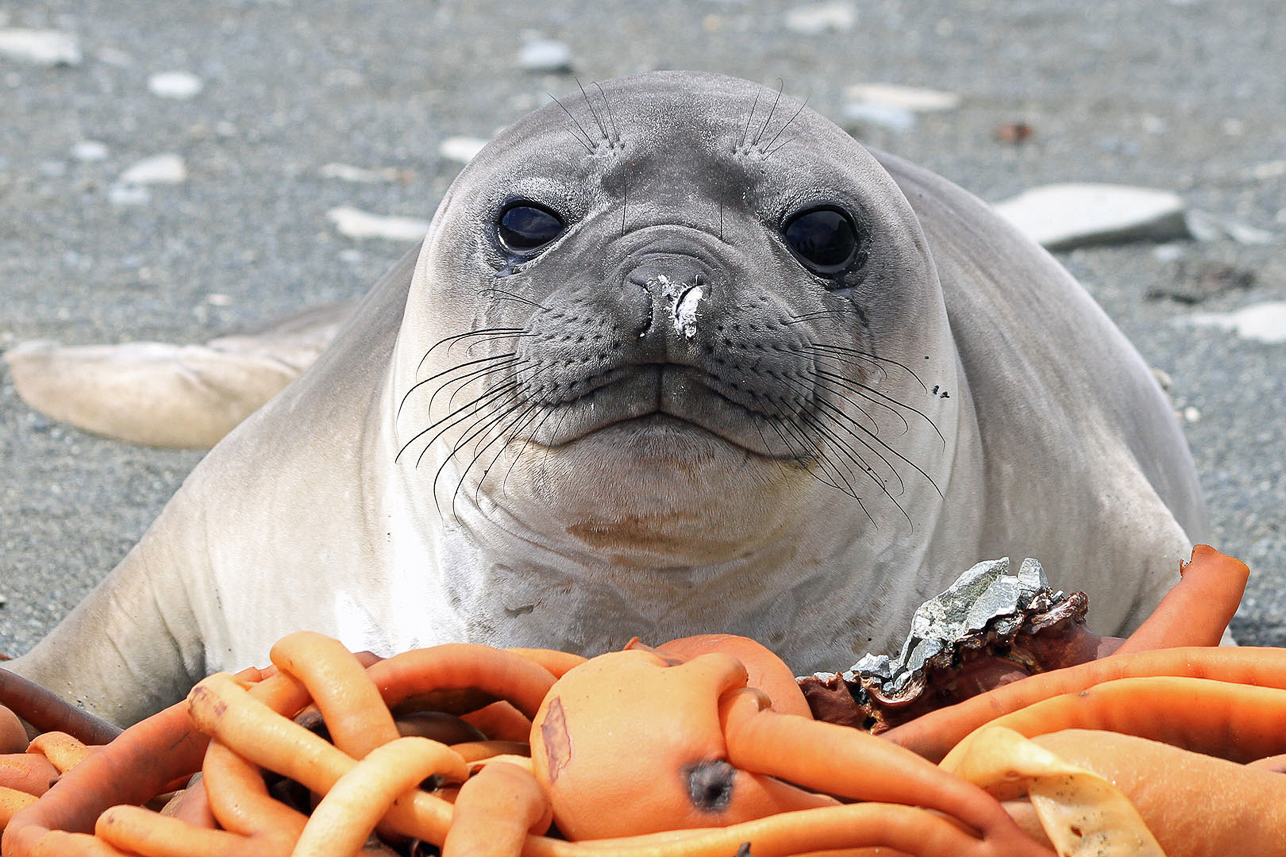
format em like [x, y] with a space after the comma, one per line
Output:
[184, 396]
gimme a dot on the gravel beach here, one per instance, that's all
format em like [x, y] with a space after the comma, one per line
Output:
[275, 114]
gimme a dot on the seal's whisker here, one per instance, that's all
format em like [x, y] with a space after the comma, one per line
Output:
[456, 368]
[558, 427]
[514, 296]
[868, 438]
[477, 375]
[530, 433]
[875, 441]
[472, 431]
[607, 105]
[495, 426]
[745, 132]
[784, 143]
[841, 420]
[830, 474]
[818, 425]
[873, 475]
[482, 410]
[768, 147]
[497, 332]
[844, 386]
[597, 119]
[584, 139]
[822, 382]
[852, 355]
[488, 335]
[821, 313]
[781, 85]
[450, 420]
[516, 426]
[469, 349]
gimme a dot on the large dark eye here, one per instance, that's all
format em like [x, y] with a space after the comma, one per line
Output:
[525, 227]
[823, 239]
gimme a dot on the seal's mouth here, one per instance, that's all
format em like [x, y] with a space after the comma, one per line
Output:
[669, 401]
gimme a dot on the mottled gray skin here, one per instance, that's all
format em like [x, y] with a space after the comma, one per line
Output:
[663, 424]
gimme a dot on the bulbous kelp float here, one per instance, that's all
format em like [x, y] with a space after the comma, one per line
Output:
[694, 747]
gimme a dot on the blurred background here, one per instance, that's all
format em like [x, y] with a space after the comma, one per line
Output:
[180, 171]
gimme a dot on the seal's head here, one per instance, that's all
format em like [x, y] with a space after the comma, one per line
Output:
[667, 319]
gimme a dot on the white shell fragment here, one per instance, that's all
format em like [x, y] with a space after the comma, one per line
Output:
[1063, 216]
[358, 175]
[131, 187]
[545, 55]
[89, 150]
[179, 85]
[1263, 322]
[355, 223]
[42, 47]
[818, 18]
[913, 98]
[1208, 227]
[167, 168]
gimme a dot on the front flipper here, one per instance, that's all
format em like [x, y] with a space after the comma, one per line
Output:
[182, 396]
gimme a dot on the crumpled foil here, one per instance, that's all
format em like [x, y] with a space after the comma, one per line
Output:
[992, 618]
[985, 592]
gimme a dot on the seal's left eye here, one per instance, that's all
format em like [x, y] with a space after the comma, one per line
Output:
[823, 239]
[525, 227]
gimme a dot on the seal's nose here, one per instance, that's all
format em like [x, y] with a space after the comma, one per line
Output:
[675, 287]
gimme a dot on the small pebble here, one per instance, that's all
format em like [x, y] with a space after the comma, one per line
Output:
[1268, 170]
[128, 194]
[1013, 133]
[461, 149]
[885, 116]
[358, 175]
[179, 85]
[545, 55]
[115, 57]
[1153, 124]
[89, 150]
[818, 18]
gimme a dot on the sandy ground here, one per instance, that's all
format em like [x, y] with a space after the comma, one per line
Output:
[1183, 96]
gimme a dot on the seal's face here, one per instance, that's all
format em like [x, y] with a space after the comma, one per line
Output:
[664, 316]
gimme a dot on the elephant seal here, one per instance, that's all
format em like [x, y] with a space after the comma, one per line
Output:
[677, 355]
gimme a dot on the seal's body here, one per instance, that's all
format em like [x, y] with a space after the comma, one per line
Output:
[678, 357]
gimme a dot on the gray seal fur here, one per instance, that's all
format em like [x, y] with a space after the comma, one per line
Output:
[663, 422]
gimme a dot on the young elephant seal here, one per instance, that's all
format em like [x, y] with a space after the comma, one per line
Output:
[677, 355]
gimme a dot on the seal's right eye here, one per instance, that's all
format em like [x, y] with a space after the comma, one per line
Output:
[525, 227]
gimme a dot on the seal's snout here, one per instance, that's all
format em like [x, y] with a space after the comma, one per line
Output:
[674, 288]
